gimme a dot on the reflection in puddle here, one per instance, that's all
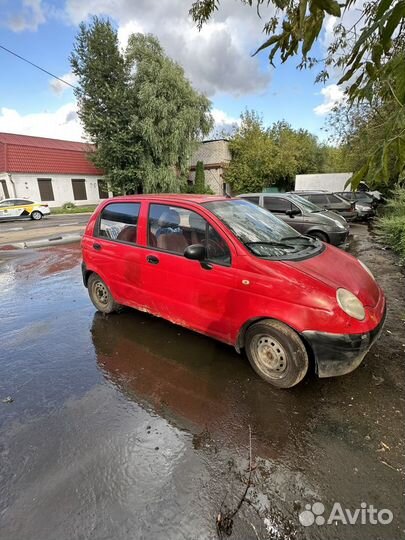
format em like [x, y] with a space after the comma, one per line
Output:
[196, 383]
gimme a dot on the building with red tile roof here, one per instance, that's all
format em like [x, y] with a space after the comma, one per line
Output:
[51, 170]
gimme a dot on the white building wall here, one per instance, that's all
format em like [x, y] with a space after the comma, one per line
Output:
[323, 181]
[26, 186]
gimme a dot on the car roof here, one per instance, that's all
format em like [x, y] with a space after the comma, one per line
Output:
[172, 197]
[310, 191]
[265, 194]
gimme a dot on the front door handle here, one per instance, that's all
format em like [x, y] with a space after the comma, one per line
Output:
[152, 259]
[97, 247]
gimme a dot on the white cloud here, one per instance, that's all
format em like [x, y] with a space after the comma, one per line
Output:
[215, 60]
[60, 124]
[30, 17]
[59, 87]
[332, 95]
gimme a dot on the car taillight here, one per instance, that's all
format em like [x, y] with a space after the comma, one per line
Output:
[45, 205]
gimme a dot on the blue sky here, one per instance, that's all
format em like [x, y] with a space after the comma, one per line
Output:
[217, 61]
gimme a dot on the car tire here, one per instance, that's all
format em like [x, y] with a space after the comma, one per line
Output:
[320, 236]
[276, 353]
[100, 295]
[36, 215]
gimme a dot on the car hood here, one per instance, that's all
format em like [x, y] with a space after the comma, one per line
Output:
[339, 269]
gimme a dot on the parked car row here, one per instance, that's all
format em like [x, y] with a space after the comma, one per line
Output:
[303, 215]
[319, 214]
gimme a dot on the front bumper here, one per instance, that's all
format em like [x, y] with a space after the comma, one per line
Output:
[338, 354]
[337, 238]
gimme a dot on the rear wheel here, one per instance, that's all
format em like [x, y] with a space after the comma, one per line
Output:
[276, 353]
[319, 235]
[100, 295]
[36, 214]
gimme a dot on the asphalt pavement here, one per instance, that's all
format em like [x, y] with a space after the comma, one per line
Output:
[26, 229]
[127, 427]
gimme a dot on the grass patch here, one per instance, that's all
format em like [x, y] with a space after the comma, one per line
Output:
[74, 209]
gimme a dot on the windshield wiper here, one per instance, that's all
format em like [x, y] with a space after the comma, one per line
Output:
[271, 243]
[299, 237]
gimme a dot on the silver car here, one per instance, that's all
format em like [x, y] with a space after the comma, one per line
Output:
[304, 216]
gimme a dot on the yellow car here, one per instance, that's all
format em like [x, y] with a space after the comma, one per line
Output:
[22, 208]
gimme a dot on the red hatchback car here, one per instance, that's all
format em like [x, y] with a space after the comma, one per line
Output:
[233, 271]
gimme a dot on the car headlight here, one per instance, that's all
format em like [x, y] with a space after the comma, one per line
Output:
[350, 304]
[342, 226]
[366, 268]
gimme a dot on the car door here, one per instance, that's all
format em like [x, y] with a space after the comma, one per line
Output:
[113, 253]
[194, 294]
[279, 206]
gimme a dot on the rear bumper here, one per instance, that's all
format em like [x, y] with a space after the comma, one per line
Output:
[338, 354]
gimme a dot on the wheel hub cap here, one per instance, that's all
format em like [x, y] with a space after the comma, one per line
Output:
[101, 293]
[271, 356]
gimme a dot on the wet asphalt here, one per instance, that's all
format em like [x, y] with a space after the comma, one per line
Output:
[127, 427]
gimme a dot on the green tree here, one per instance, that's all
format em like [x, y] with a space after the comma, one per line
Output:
[138, 108]
[104, 102]
[264, 157]
[199, 183]
[169, 116]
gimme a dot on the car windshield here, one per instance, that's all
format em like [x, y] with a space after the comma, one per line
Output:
[307, 205]
[262, 233]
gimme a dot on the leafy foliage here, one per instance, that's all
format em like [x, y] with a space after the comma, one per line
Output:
[199, 183]
[392, 225]
[370, 55]
[264, 157]
[138, 108]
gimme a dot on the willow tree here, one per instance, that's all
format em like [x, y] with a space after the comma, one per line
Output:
[138, 108]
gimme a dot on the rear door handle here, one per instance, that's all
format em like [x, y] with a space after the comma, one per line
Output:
[97, 247]
[152, 259]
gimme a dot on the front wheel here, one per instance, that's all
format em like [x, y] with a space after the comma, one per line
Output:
[276, 353]
[36, 214]
[100, 295]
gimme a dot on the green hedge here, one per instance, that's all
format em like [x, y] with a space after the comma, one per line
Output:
[392, 225]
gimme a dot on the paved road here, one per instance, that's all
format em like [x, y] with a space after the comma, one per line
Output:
[130, 428]
[23, 230]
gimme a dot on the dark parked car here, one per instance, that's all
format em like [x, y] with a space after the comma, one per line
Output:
[364, 202]
[330, 201]
[304, 216]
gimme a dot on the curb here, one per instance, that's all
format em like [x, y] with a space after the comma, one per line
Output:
[46, 242]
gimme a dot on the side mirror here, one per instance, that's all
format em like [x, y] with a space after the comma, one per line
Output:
[293, 212]
[196, 252]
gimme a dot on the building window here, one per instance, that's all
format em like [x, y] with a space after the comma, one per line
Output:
[102, 189]
[45, 189]
[5, 189]
[79, 190]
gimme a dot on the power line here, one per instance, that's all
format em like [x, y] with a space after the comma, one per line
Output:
[38, 67]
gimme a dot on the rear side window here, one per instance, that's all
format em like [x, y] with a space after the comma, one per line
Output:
[277, 205]
[118, 221]
[334, 200]
[317, 199]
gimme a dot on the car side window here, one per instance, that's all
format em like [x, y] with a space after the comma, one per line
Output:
[318, 199]
[254, 200]
[172, 229]
[23, 202]
[118, 221]
[333, 200]
[5, 204]
[277, 205]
